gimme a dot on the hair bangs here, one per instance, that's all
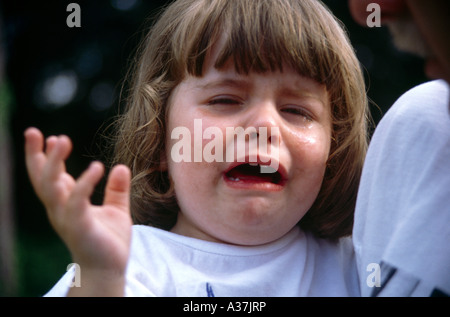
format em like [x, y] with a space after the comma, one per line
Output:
[261, 38]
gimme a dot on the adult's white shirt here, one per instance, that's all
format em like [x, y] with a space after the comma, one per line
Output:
[402, 218]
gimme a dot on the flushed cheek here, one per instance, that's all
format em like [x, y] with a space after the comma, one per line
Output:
[192, 185]
[194, 175]
[311, 147]
[309, 163]
[196, 140]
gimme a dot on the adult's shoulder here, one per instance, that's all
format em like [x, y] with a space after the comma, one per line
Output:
[427, 101]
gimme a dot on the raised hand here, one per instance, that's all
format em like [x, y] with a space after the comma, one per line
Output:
[98, 237]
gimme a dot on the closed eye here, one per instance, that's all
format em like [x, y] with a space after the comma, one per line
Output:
[223, 101]
[298, 111]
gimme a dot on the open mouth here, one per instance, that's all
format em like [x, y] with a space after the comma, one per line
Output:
[254, 173]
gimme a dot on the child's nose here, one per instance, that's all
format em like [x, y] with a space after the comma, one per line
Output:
[264, 118]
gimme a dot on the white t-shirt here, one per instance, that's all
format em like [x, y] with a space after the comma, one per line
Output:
[402, 217]
[163, 263]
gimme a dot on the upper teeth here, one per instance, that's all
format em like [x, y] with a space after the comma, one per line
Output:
[266, 169]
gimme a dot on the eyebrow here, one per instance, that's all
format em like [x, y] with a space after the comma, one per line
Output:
[224, 82]
[296, 93]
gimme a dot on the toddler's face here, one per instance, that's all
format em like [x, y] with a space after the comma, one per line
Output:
[231, 200]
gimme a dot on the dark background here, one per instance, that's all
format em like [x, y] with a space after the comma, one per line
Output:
[67, 81]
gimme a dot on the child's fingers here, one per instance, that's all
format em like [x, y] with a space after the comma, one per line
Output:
[34, 155]
[84, 187]
[58, 152]
[50, 144]
[34, 141]
[117, 191]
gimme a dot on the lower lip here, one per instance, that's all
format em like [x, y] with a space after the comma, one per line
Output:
[254, 185]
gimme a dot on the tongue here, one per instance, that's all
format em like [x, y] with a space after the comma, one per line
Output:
[249, 173]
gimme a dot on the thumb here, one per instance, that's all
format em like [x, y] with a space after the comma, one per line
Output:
[117, 191]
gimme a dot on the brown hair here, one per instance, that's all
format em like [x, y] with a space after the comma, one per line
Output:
[260, 35]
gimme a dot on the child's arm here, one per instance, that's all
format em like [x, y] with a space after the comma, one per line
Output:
[98, 237]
